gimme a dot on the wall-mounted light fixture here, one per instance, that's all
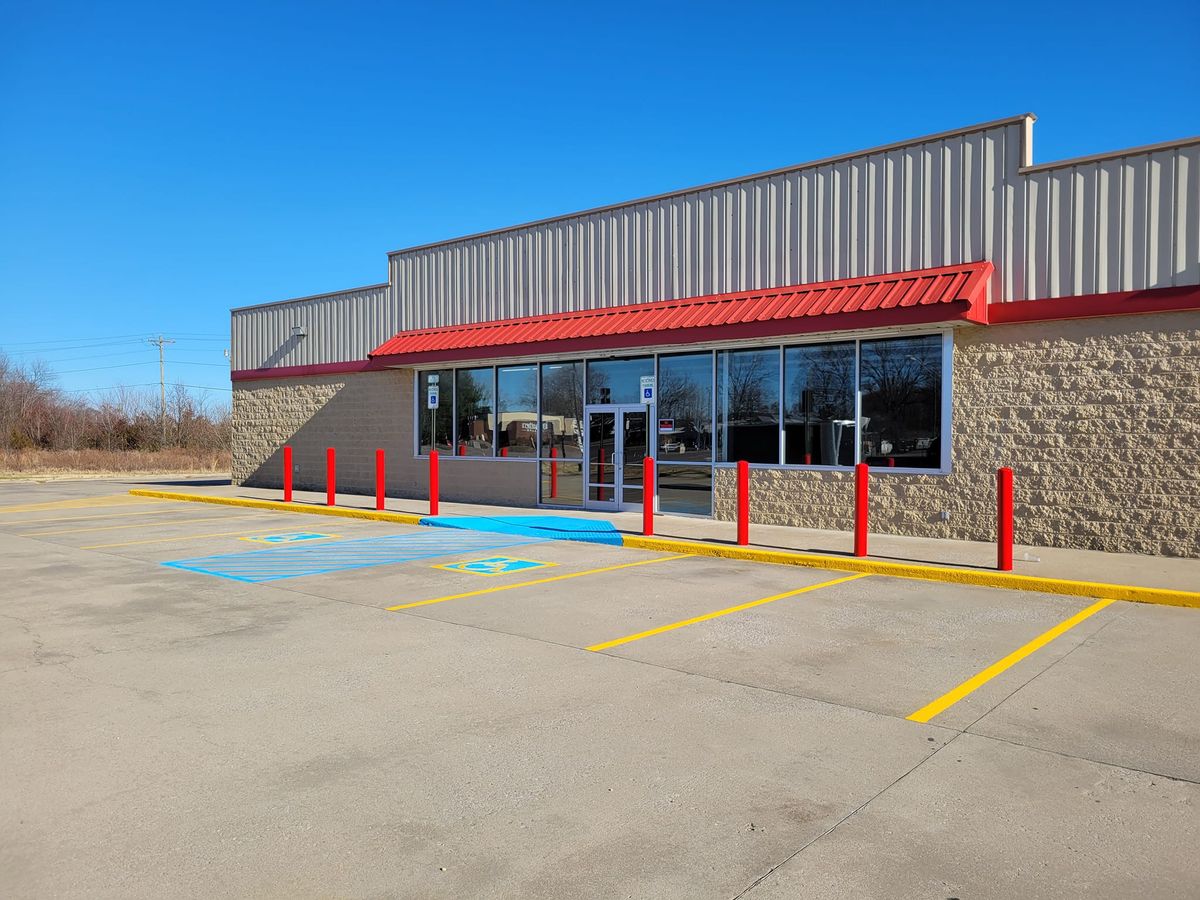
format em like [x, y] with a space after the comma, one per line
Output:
[299, 331]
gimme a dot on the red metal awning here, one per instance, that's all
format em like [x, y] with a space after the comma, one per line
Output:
[951, 293]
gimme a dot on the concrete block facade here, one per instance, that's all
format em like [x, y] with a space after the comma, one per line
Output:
[1098, 418]
[356, 414]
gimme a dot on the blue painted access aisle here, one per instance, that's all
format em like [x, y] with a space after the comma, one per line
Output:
[550, 528]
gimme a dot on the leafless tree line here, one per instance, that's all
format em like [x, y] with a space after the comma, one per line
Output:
[34, 414]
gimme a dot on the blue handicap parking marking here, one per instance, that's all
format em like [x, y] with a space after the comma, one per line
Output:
[494, 565]
[291, 537]
[334, 556]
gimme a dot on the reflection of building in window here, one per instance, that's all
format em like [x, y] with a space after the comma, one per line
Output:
[748, 405]
[901, 383]
[819, 404]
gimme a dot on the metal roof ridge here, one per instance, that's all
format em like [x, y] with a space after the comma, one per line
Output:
[365, 287]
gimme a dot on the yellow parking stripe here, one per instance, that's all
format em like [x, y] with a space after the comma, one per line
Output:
[595, 648]
[135, 525]
[509, 587]
[944, 702]
[186, 537]
[78, 503]
[36, 523]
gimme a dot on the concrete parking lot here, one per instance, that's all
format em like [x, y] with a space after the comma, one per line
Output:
[207, 701]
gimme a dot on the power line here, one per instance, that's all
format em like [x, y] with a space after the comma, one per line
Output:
[114, 337]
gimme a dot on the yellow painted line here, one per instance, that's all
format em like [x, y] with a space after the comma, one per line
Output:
[629, 638]
[981, 577]
[944, 702]
[134, 525]
[510, 587]
[372, 515]
[78, 503]
[948, 574]
[186, 537]
[35, 523]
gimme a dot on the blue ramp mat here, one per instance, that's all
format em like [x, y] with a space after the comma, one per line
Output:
[315, 559]
[552, 528]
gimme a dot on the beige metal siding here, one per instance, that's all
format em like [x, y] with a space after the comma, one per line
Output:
[341, 327]
[1121, 222]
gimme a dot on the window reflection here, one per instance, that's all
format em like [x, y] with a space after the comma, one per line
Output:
[475, 405]
[436, 425]
[562, 410]
[685, 407]
[818, 405]
[617, 380]
[901, 384]
[748, 405]
[517, 404]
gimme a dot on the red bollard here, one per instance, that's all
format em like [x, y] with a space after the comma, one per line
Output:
[808, 459]
[1004, 517]
[600, 476]
[860, 509]
[330, 476]
[462, 449]
[891, 462]
[648, 496]
[743, 502]
[553, 473]
[379, 479]
[287, 474]
[504, 451]
[433, 482]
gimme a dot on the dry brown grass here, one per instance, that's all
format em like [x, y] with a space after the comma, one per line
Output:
[96, 462]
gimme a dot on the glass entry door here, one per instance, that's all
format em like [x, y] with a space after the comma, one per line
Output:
[618, 441]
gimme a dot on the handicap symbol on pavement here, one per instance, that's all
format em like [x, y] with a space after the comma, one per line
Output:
[291, 537]
[494, 565]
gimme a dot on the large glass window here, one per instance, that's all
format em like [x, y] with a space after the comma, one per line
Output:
[748, 405]
[562, 410]
[617, 380]
[818, 404]
[685, 407]
[436, 425]
[517, 402]
[476, 407]
[685, 489]
[901, 384]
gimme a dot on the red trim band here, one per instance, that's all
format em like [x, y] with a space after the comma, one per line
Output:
[1090, 306]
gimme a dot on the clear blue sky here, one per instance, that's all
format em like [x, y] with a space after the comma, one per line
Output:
[162, 162]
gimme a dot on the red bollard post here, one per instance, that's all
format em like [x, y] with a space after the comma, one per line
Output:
[433, 482]
[648, 496]
[330, 476]
[743, 502]
[1004, 523]
[600, 476]
[553, 473]
[808, 459]
[462, 449]
[287, 474]
[379, 479]
[860, 509]
[891, 462]
[504, 451]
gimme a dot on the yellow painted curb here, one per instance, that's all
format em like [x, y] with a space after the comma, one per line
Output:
[373, 515]
[1006, 580]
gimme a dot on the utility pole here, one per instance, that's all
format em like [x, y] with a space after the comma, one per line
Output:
[162, 386]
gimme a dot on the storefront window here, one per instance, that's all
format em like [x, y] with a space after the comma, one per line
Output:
[517, 402]
[561, 483]
[901, 384]
[562, 410]
[436, 425]
[748, 405]
[617, 380]
[685, 489]
[818, 404]
[476, 407]
[685, 407]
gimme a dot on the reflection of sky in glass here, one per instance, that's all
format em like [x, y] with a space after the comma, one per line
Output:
[617, 380]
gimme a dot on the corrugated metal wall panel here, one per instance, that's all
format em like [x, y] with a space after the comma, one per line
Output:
[1120, 223]
[341, 327]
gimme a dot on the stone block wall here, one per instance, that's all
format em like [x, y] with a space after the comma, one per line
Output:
[1098, 418]
[356, 414]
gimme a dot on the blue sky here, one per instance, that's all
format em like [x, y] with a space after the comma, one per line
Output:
[160, 162]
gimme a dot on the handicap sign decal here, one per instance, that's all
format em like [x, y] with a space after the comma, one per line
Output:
[494, 565]
[291, 537]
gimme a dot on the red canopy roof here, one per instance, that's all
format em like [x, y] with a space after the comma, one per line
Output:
[920, 297]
